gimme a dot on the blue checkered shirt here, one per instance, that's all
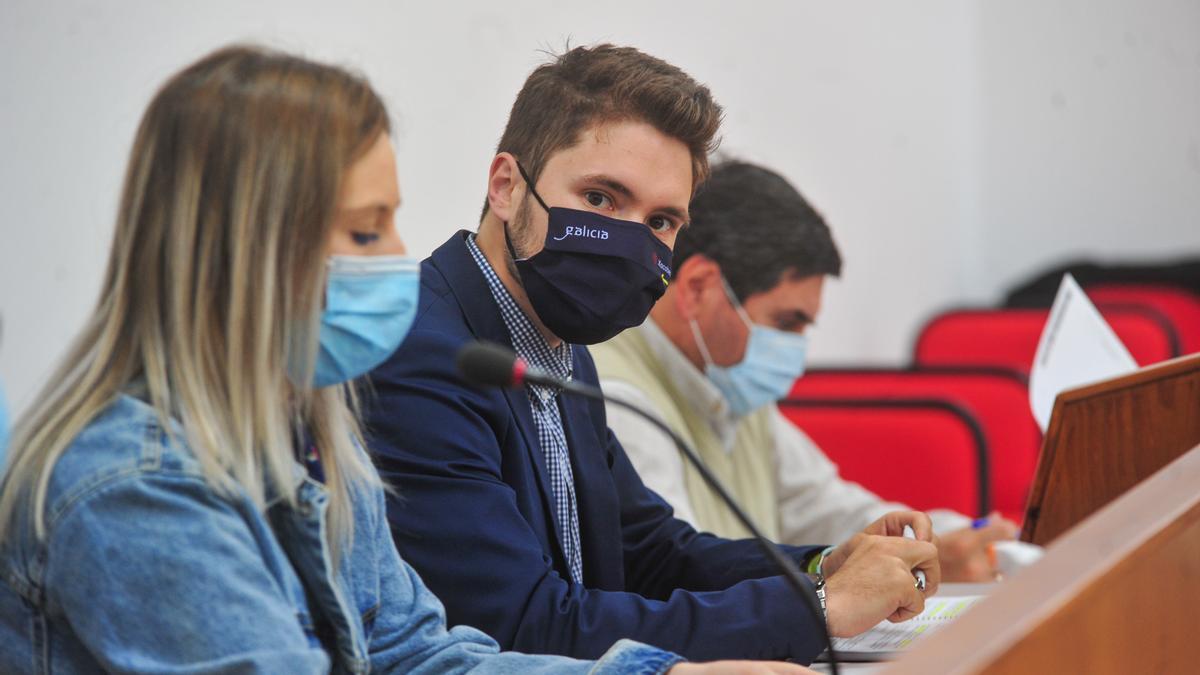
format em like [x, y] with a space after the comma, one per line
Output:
[531, 346]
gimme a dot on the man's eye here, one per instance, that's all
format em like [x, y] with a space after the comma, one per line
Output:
[598, 200]
[364, 238]
[660, 224]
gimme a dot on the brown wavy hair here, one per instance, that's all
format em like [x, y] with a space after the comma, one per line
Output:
[586, 86]
[214, 283]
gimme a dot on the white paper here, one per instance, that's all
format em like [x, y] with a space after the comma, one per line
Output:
[1013, 556]
[888, 638]
[1077, 347]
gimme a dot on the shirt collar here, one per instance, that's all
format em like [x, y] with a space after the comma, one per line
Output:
[527, 340]
[691, 384]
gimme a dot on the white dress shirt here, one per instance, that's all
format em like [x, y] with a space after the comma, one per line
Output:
[816, 505]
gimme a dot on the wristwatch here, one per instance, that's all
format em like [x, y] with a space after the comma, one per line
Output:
[817, 576]
[821, 561]
[818, 579]
[819, 587]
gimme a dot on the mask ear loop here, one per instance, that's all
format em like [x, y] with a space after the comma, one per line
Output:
[737, 307]
[532, 190]
[737, 304]
[708, 362]
[512, 251]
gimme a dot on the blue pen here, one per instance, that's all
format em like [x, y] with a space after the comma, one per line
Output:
[979, 523]
[919, 574]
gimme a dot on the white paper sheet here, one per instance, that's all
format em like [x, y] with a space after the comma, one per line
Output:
[1077, 347]
[887, 638]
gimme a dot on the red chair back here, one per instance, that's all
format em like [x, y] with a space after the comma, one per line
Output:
[1008, 338]
[927, 454]
[1179, 307]
[998, 399]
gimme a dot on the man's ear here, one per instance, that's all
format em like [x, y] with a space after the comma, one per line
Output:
[506, 188]
[694, 283]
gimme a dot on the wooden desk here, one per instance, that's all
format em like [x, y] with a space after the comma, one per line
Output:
[1119, 593]
[1105, 438]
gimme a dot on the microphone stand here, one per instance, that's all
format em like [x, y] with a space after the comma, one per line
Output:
[790, 570]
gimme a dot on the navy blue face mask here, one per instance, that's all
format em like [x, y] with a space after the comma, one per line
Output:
[595, 276]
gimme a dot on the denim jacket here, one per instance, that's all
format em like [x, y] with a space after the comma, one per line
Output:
[146, 569]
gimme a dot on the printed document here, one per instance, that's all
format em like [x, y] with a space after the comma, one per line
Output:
[1078, 347]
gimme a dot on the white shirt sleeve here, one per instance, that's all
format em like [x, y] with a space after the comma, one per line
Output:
[652, 452]
[945, 520]
[816, 506]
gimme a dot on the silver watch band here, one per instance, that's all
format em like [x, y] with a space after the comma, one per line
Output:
[820, 589]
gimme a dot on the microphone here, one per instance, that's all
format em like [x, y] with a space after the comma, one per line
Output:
[491, 364]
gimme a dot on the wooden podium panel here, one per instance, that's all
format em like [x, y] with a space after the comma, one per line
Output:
[1107, 437]
[1117, 594]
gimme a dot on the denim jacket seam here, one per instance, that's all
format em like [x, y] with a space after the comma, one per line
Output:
[25, 587]
[83, 490]
[630, 656]
[149, 462]
[105, 481]
[371, 612]
[31, 585]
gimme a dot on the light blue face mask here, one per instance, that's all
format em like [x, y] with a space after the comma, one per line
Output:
[774, 360]
[370, 303]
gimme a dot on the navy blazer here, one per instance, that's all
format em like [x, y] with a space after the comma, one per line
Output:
[473, 512]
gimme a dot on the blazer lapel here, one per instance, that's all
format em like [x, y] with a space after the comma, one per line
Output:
[483, 317]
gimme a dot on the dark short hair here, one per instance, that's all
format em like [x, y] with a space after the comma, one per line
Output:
[757, 228]
[586, 86]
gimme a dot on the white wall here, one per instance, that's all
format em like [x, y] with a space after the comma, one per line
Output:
[1090, 132]
[953, 145]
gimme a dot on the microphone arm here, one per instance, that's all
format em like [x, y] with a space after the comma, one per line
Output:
[790, 570]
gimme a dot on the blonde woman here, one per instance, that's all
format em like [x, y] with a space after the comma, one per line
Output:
[189, 492]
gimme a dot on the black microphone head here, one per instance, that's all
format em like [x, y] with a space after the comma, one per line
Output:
[488, 364]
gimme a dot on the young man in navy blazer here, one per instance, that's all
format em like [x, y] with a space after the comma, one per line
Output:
[518, 507]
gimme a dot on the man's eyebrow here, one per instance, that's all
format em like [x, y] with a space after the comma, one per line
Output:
[681, 214]
[610, 183]
[801, 315]
[622, 189]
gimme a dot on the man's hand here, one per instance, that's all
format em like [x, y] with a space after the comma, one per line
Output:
[870, 577]
[739, 668]
[890, 525]
[964, 553]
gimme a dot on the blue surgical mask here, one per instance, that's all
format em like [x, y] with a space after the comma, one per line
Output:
[370, 303]
[774, 360]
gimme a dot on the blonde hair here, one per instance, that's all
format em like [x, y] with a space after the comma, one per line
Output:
[215, 283]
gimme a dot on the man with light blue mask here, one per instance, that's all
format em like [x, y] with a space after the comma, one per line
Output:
[726, 342]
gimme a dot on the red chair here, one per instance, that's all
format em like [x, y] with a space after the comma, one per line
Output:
[927, 454]
[1008, 338]
[1179, 307]
[998, 399]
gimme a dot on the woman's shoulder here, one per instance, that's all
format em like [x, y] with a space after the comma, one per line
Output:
[125, 441]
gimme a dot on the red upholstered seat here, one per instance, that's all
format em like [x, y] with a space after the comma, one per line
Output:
[926, 454]
[1008, 338]
[1179, 307]
[998, 399]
